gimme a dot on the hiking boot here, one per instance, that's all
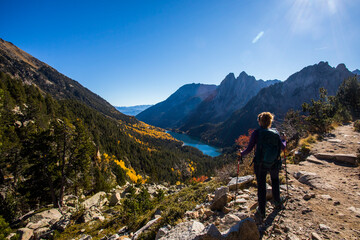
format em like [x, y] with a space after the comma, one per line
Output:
[280, 205]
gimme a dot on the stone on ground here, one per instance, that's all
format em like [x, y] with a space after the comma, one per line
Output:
[241, 182]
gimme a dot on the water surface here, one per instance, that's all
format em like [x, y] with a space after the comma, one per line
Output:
[193, 142]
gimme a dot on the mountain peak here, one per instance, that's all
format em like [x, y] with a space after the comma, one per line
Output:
[230, 76]
[356, 71]
[341, 67]
[243, 74]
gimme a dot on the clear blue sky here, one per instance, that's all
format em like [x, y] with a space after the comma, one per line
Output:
[139, 52]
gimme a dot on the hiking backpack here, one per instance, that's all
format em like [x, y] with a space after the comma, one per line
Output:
[268, 148]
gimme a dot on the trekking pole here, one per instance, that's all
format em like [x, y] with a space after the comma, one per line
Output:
[286, 176]
[237, 174]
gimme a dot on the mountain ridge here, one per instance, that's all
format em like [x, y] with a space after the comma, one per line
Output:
[19, 64]
[214, 103]
[300, 87]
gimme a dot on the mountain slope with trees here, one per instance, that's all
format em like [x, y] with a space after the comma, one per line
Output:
[54, 141]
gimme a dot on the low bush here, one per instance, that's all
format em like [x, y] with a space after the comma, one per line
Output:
[357, 125]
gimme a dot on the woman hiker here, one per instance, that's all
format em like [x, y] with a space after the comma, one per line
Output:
[267, 159]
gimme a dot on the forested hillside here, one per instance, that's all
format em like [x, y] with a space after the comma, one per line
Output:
[54, 141]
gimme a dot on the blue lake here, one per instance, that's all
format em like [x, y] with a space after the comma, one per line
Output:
[190, 141]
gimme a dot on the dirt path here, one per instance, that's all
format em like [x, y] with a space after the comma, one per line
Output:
[327, 206]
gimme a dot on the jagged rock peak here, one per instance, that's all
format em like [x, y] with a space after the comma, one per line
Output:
[230, 76]
[243, 74]
[341, 67]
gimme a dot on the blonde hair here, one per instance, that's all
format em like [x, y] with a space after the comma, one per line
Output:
[265, 119]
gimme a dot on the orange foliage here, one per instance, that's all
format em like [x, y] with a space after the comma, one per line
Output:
[243, 140]
[200, 179]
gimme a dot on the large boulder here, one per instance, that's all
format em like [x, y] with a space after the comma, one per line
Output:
[243, 230]
[184, 231]
[98, 200]
[44, 219]
[241, 182]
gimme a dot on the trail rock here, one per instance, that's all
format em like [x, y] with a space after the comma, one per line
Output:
[312, 180]
[43, 232]
[211, 232]
[92, 213]
[355, 210]
[25, 233]
[114, 237]
[62, 223]
[98, 200]
[313, 159]
[219, 192]
[220, 203]
[291, 236]
[161, 232]
[344, 158]
[114, 199]
[326, 197]
[228, 221]
[241, 182]
[144, 228]
[85, 237]
[245, 229]
[184, 231]
[323, 227]
[315, 236]
[70, 200]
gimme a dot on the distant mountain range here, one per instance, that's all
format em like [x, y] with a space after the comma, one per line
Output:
[171, 112]
[196, 104]
[133, 110]
[230, 109]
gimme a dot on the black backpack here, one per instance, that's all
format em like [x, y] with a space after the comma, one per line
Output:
[268, 148]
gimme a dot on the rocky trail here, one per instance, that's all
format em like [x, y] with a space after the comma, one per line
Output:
[325, 190]
[323, 203]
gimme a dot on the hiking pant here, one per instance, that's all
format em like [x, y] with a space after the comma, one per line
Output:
[261, 182]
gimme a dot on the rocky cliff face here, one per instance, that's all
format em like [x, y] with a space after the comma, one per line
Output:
[30, 70]
[171, 112]
[232, 94]
[279, 98]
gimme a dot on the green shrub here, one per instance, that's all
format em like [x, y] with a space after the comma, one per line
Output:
[357, 125]
[5, 230]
